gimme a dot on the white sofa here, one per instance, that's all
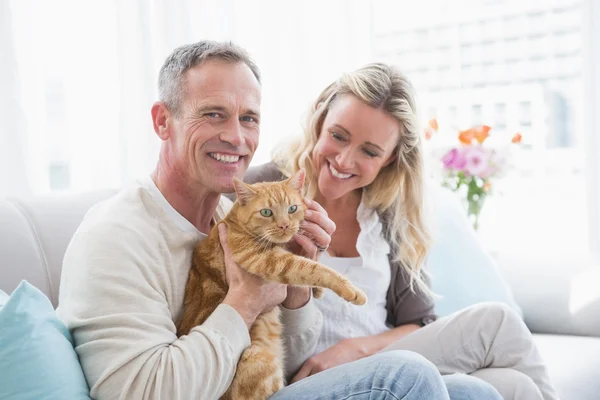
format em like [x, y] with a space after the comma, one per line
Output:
[34, 234]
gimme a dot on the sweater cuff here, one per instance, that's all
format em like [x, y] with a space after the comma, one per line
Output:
[231, 326]
[300, 320]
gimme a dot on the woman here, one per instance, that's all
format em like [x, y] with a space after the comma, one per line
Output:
[363, 155]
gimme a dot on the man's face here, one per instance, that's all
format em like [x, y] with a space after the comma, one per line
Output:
[216, 132]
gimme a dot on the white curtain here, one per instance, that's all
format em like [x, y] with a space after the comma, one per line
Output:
[13, 173]
[592, 118]
[87, 75]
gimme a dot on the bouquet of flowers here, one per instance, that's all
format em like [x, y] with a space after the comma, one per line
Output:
[470, 166]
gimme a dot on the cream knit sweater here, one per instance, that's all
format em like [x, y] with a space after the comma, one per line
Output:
[122, 288]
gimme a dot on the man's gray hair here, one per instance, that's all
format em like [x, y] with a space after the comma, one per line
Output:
[171, 82]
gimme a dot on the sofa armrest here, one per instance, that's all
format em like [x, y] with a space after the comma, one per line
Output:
[558, 296]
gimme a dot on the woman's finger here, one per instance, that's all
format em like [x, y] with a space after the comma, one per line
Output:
[303, 373]
[313, 205]
[320, 219]
[310, 249]
[314, 232]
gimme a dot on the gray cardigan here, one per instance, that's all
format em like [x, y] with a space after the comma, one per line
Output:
[403, 305]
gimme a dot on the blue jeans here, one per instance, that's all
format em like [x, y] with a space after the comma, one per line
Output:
[393, 375]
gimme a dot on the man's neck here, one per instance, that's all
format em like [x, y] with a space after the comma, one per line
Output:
[195, 204]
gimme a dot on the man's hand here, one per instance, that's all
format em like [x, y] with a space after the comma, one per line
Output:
[315, 232]
[347, 350]
[248, 294]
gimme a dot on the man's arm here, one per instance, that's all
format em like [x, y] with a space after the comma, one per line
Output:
[117, 304]
[301, 331]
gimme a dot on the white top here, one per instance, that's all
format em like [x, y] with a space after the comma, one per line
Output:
[122, 287]
[371, 273]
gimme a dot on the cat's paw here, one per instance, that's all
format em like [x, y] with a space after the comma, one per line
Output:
[360, 297]
[318, 292]
[354, 295]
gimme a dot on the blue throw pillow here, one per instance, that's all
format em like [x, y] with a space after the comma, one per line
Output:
[37, 359]
[3, 298]
[461, 270]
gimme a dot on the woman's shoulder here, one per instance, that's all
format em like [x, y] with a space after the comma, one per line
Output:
[268, 172]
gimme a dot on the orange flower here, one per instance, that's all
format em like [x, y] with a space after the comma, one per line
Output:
[466, 137]
[482, 133]
[433, 124]
[487, 186]
[517, 138]
[428, 133]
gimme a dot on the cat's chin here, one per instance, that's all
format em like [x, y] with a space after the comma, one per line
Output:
[283, 239]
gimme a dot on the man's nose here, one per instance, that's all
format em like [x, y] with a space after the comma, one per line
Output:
[232, 133]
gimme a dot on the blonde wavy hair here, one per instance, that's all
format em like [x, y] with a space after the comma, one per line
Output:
[397, 191]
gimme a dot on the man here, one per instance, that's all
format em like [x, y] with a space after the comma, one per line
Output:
[125, 270]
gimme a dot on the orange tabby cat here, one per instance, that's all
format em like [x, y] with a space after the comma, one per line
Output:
[262, 220]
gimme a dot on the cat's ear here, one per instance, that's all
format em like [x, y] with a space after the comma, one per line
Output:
[297, 181]
[244, 192]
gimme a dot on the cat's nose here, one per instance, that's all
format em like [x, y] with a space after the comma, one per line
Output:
[284, 226]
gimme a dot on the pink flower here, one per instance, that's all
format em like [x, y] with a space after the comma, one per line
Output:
[476, 161]
[454, 159]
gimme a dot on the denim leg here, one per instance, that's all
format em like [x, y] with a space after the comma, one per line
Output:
[467, 387]
[393, 375]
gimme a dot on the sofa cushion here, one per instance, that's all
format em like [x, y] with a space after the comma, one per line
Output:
[37, 359]
[34, 234]
[462, 272]
[573, 364]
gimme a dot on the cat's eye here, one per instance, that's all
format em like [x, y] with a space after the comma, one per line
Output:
[292, 209]
[265, 212]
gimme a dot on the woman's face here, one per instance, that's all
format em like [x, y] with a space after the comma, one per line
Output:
[355, 143]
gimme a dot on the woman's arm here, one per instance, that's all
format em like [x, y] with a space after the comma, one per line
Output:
[352, 349]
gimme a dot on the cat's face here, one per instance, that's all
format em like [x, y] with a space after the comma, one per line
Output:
[272, 211]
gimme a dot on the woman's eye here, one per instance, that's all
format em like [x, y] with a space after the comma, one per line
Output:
[371, 154]
[337, 136]
[265, 212]
[292, 209]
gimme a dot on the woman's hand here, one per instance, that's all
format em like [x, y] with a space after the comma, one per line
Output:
[353, 349]
[315, 232]
[347, 350]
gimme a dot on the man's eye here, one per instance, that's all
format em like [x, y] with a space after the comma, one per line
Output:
[213, 115]
[249, 119]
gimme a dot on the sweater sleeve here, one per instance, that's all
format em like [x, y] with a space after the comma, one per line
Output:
[113, 299]
[406, 305]
[301, 331]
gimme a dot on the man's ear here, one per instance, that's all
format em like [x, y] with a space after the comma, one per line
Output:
[244, 191]
[160, 118]
[296, 182]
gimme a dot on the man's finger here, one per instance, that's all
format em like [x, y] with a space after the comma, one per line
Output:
[223, 239]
